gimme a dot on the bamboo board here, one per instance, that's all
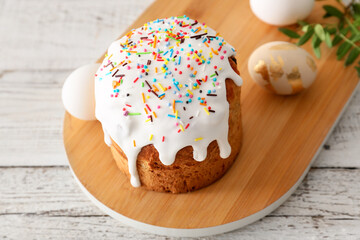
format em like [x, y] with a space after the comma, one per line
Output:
[281, 134]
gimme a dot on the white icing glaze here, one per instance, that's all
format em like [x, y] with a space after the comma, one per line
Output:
[195, 126]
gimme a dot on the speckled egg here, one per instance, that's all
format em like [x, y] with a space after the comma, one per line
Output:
[282, 68]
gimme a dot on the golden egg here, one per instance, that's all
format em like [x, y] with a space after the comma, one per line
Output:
[282, 68]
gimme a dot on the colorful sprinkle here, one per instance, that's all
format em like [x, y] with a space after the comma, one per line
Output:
[143, 97]
[173, 116]
[207, 112]
[168, 57]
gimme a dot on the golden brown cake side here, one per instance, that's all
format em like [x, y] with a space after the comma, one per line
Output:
[187, 174]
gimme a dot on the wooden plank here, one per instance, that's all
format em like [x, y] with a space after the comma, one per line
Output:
[51, 191]
[64, 35]
[35, 227]
[281, 134]
[46, 203]
[31, 122]
[343, 145]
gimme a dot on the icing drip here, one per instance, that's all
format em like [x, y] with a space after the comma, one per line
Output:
[164, 84]
[107, 138]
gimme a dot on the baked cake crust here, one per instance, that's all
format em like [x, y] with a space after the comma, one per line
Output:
[187, 174]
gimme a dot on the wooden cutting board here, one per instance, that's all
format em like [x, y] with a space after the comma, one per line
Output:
[281, 137]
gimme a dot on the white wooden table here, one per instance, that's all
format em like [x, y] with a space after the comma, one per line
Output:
[41, 42]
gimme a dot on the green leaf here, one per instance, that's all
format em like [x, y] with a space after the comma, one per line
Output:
[354, 53]
[344, 31]
[358, 70]
[315, 44]
[356, 8]
[304, 38]
[333, 11]
[352, 27]
[305, 28]
[327, 15]
[342, 50]
[316, 41]
[341, 24]
[319, 30]
[355, 38]
[337, 39]
[331, 30]
[302, 23]
[356, 17]
[317, 52]
[356, 22]
[289, 33]
[328, 39]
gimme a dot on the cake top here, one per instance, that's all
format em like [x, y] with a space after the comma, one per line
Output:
[164, 84]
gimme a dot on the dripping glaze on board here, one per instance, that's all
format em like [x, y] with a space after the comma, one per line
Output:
[164, 84]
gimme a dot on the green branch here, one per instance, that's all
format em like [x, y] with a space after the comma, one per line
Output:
[333, 34]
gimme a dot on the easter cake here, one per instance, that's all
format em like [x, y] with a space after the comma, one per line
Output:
[168, 97]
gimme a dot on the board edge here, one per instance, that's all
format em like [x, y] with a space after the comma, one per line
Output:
[214, 230]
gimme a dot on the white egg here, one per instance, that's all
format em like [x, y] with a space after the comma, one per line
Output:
[281, 12]
[282, 67]
[78, 93]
